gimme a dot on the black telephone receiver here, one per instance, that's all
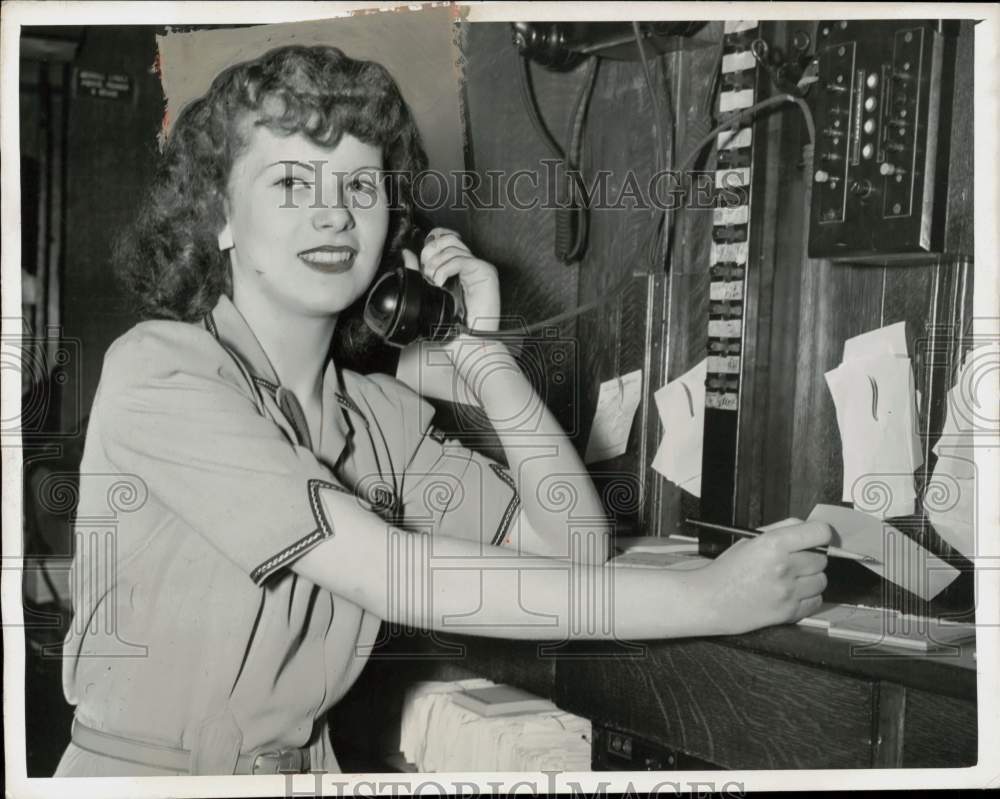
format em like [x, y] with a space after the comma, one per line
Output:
[403, 306]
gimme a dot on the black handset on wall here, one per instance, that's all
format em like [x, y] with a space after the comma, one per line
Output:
[403, 306]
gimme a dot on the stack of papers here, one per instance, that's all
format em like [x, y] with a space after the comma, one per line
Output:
[950, 495]
[438, 735]
[681, 404]
[875, 398]
[656, 552]
[500, 700]
[884, 626]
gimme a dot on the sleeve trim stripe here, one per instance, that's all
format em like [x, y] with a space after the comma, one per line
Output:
[512, 506]
[269, 567]
[323, 531]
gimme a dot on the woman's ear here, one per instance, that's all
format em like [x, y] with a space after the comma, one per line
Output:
[226, 234]
[225, 238]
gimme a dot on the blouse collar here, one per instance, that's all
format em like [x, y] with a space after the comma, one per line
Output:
[231, 329]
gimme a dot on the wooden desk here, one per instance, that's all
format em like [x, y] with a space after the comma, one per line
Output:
[784, 697]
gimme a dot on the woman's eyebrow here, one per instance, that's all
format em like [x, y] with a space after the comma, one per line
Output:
[289, 163]
[312, 166]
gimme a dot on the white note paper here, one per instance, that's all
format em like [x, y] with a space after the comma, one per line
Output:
[901, 559]
[875, 398]
[616, 406]
[950, 494]
[889, 340]
[681, 405]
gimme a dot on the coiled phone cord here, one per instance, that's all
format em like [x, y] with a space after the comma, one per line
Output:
[572, 224]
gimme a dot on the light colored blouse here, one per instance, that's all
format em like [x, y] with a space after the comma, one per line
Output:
[198, 487]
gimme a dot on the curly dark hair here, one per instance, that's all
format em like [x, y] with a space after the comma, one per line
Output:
[169, 258]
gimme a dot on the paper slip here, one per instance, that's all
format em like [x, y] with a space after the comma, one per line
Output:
[874, 402]
[885, 626]
[876, 626]
[828, 613]
[616, 407]
[954, 443]
[901, 559]
[678, 561]
[681, 405]
[950, 505]
[890, 340]
[971, 410]
[949, 497]
[950, 494]
[654, 543]
[653, 552]
[874, 395]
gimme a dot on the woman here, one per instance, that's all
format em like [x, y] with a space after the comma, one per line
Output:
[281, 503]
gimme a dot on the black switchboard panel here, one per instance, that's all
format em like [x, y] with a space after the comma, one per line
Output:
[881, 106]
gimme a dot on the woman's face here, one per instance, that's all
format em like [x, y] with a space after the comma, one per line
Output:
[306, 223]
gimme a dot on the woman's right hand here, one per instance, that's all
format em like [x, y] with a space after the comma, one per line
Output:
[769, 580]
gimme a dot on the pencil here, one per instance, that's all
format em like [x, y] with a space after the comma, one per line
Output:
[836, 552]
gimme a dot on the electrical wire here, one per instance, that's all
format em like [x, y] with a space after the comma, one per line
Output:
[731, 124]
[567, 250]
[528, 97]
[650, 250]
[582, 214]
[741, 116]
[708, 107]
[556, 320]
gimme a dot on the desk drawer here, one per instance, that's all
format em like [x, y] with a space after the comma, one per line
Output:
[940, 732]
[727, 706]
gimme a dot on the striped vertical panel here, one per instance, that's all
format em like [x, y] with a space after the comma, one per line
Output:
[731, 222]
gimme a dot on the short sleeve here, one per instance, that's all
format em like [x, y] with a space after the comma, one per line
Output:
[173, 409]
[447, 488]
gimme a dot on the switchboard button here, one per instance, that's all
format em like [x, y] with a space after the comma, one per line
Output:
[821, 176]
[861, 188]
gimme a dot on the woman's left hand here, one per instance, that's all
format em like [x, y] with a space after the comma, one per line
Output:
[444, 255]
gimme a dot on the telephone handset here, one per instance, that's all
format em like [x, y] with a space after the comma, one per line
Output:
[403, 306]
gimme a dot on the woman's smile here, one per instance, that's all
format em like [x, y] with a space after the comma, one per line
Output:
[329, 259]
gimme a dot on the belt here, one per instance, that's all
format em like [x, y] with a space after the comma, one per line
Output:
[284, 761]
